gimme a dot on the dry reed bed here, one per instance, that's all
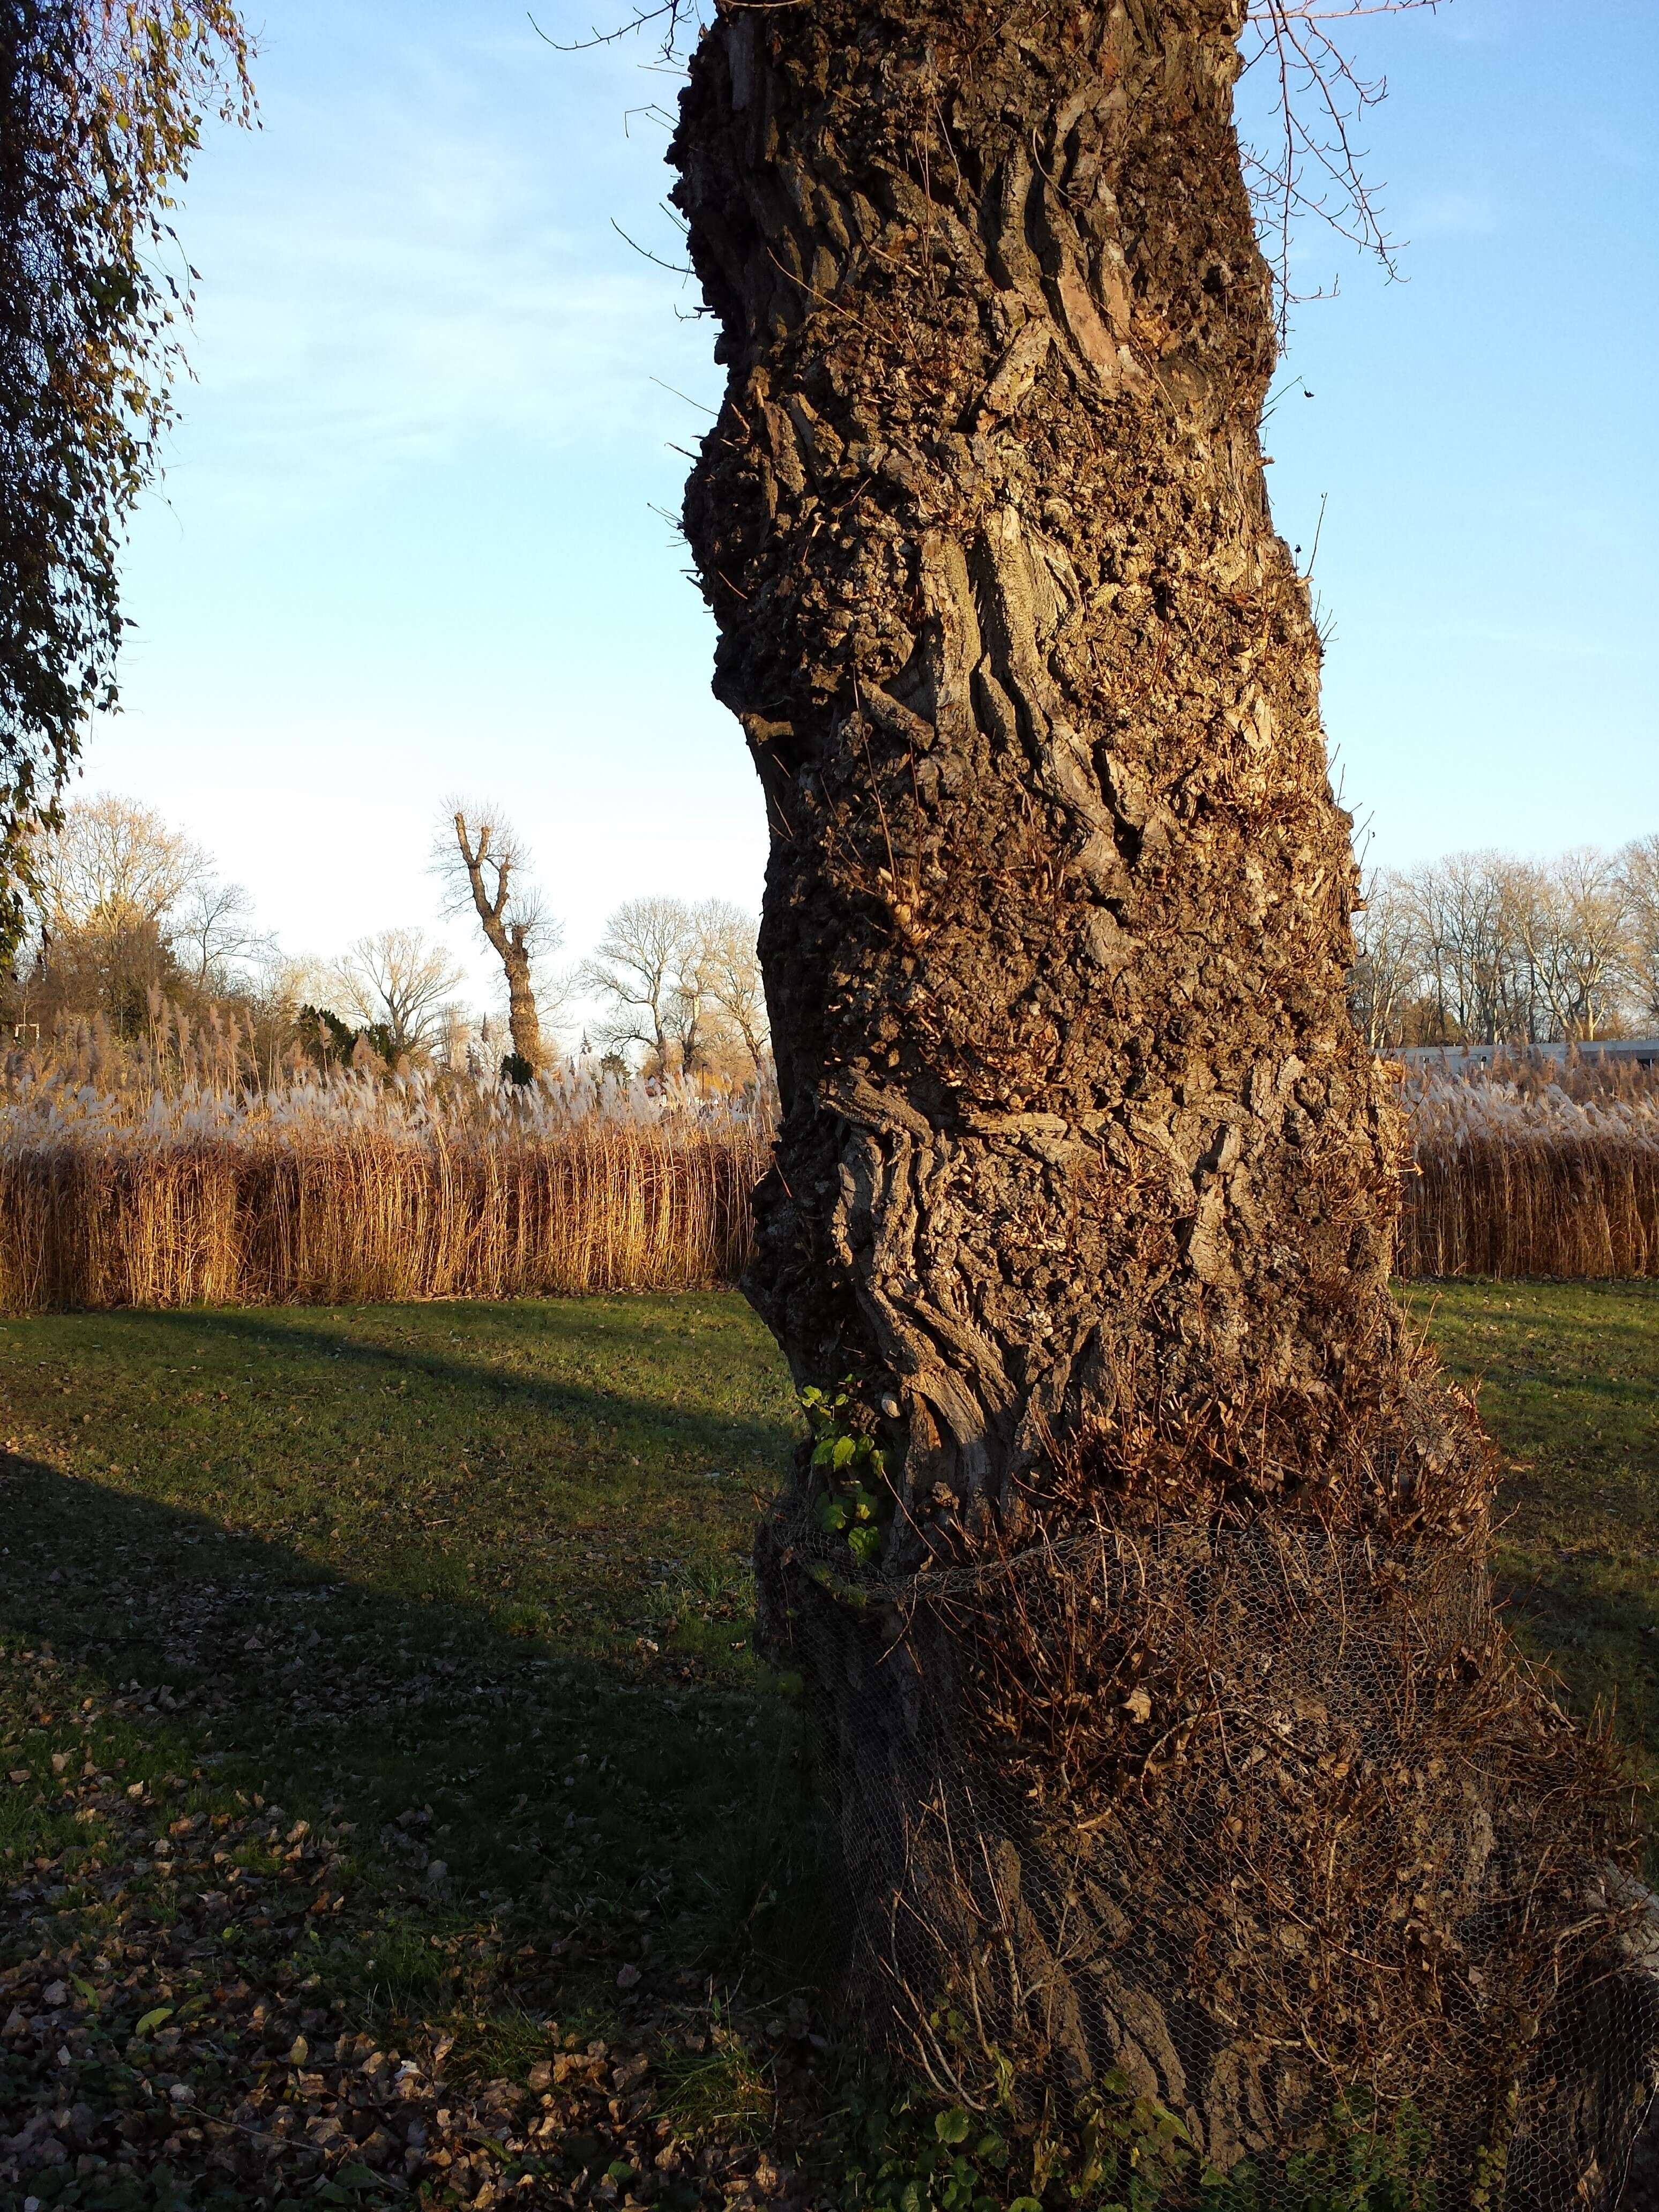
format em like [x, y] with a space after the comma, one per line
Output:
[164, 1174]
[355, 1191]
[361, 1218]
[1533, 1169]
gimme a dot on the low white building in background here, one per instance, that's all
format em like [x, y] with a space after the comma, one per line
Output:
[1458, 1059]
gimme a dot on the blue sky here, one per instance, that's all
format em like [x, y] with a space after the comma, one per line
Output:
[406, 543]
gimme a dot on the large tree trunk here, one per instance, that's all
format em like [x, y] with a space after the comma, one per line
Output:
[1085, 1180]
[523, 1021]
[489, 846]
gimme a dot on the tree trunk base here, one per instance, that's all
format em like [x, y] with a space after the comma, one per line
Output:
[1266, 1829]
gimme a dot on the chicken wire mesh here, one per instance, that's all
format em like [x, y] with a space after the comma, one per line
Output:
[1258, 1853]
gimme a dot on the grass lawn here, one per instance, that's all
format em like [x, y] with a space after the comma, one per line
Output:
[391, 1802]
[386, 1673]
[1569, 1387]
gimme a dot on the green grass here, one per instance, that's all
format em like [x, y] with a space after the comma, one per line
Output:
[486, 1562]
[593, 1460]
[420, 1555]
[465, 1589]
[1569, 1388]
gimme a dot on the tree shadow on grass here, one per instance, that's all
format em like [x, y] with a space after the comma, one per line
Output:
[483, 1774]
[708, 1434]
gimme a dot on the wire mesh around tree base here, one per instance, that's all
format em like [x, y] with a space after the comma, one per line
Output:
[1271, 1830]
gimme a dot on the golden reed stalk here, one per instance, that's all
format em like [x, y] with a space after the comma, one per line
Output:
[1533, 1168]
[360, 1218]
[1497, 1206]
[355, 1189]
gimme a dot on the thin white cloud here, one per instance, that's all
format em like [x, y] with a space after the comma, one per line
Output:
[1451, 213]
[389, 279]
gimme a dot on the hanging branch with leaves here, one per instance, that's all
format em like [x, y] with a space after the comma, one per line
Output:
[101, 107]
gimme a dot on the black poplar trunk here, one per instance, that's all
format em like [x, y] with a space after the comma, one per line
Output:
[1085, 1179]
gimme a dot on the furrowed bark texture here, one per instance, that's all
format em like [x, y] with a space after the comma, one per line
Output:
[523, 1023]
[1085, 1179]
[1057, 921]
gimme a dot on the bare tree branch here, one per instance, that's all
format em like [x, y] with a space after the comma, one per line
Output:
[1312, 168]
[672, 15]
[214, 925]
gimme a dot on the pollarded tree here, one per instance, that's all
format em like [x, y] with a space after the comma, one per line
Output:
[1138, 1561]
[483, 862]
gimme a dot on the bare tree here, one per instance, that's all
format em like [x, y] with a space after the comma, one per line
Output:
[1463, 912]
[1499, 951]
[398, 978]
[117, 887]
[482, 864]
[114, 890]
[452, 1045]
[113, 862]
[693, 1017]
[1387, 963]
[1570, 922]
[638, 971]
[682, 982]
[729, 964]
[1639, 867]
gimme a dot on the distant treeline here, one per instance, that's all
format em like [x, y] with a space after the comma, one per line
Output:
[129, 931]
[1481, 948]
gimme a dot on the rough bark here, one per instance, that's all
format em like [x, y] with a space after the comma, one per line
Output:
[1057, 916]
[523, 1021]
[1085, 1178]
